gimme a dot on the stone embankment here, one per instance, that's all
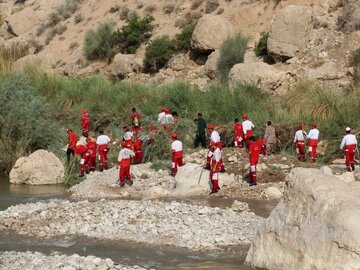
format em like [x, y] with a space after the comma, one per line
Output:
[38, 261]
[153, 223]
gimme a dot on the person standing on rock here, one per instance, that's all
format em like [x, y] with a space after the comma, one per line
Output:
[201, 131]
[91, 145]
[85, 122]
[124, 161]
[71, 140]
[313, 137]
[255, 148]
[215, 167]
[177, 154]
[270, 138]
[82, 151]
[248, 127]
[214, 140]
[350, 143]
[299, 141]
[239, 136]
[135, 122]
[102, 142]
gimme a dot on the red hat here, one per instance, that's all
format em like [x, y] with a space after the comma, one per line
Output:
[167, 110]
[68, 129]
[245, 116]
[174, 135]
[211, 126]
[313, 125]
[300, 126]
[163, 109]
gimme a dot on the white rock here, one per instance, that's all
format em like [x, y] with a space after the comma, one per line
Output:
[326, 170]
[273, 193]
[238, 206]
[347, 177]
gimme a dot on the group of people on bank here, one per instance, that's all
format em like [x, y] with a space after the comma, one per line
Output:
[88, 148]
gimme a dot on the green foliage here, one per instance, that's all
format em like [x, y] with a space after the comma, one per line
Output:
[161, 165]
[24, 125]
[98, 43]
[132, 35]
[355, 62]
[158, 53]
[261, 46]
[231, 52]
[183, 39]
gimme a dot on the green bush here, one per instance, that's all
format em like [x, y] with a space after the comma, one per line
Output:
[98, 43]
[231, 52]
[158, 53]
[183, 39]
[261, 46]
[132, 35]
[355, 62]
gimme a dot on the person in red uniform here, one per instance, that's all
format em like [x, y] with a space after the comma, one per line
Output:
[239, 136]
[299, 141]
[71, 140]
[128, 137]
[214, 139]
[135, 122]
[138, 151]
[349, 142]
[255, 148]
[248, 128]
[82, 151]
[85, 122]
[313, 137]
[124, 161]
[102, 142]
[215, 167]
[177, 154]
[91, 145]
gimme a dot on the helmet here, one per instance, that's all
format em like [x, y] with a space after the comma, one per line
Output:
[211, 126]
[313, 125]
[68, 129]
[348, 129]
[174, 135]
[245, 116]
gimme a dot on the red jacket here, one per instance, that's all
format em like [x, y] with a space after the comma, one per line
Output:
[255, 149]
[80, 149]
[92, 148]
[72, 139]
[238, 129]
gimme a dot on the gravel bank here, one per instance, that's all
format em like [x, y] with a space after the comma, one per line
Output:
[153, 223]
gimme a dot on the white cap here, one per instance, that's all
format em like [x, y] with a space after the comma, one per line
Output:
[347, 129]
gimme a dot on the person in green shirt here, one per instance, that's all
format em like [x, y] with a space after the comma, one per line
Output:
[201, 131]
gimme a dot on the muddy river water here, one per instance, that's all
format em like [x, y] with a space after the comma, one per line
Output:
[122, 251]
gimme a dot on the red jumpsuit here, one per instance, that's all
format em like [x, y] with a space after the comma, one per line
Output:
[215, 167]
[239, 136]
[312, 150]
[72, 139]
[82, 150]
[138, 152]
[124, 161]
[350, 157]
[255, 149]
[103, 157]
[85, 122]
[91, 145]
[177, 156]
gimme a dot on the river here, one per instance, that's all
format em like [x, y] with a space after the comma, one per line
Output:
[121, 251]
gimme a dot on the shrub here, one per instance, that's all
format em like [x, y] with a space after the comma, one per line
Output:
[54, 19]
[9, 54]
[355, 62]
[67, 9]
[140, 5]
[114, 9]
[132, 35]
[132, 15]
[220, 11]
[150, 9]
[183, 39]
[261, 45]
[211, 5]
[158, 53]
[98, 43]
[168, 8]
[78, 18]
[231, 52]
[124, 13]
[349, 20]
[196, 3]
[57, 30]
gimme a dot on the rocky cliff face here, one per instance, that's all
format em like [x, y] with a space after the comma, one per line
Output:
[307, 39]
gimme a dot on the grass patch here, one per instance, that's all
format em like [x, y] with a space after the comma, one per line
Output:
[183, 39]
[158, 53]
[261, 45]
[355, 62]
[9, 54]
[98, 43]
[232, 52]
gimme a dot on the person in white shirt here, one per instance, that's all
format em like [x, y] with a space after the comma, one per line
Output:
[313, 138]
[214, 140]
[177, 154]
[161, 115]
[215, 167]
[248, 127]
[349, 142]
[102, 142]
[124, 161]
[299, 141]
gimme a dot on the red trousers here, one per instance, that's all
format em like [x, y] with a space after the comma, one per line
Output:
[254, 158]
[350, 157]
[138, 157]
[84, 163]
[312, 150]
[124, 171]
[239, 141]
[103, 157]
[300, 149]
[177, 160]
[214, 175]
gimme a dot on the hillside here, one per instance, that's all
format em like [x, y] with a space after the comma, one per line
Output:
[313, 39]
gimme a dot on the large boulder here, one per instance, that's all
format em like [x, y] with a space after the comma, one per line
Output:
[211, 65]
[289, 33]
[192, 179]
[40, 168]
[314, 226]
[265, 76]
[210, 32]
[123, 65]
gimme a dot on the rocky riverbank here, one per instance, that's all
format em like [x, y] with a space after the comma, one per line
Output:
[38, 261]
[152, 223]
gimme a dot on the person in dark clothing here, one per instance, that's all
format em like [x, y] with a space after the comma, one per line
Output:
[201, 131]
